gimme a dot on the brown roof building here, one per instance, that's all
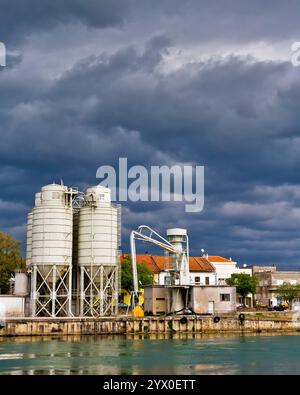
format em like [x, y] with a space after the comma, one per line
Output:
[158, 263]
[201, 271]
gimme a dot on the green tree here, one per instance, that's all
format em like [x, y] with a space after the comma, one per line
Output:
[287, 292]
[10, 259]
[244, 284]
[145, 276]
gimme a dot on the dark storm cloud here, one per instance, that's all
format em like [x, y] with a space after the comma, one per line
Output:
[21, 18]
[236, 115]
[241, 20]
[205, 20]
[226, 111]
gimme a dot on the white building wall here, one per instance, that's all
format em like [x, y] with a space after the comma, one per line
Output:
[12, 306]
[196, 276]
[209, 299]
[224, 270]
[193, 277]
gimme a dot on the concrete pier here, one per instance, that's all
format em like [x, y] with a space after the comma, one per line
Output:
[129, 325]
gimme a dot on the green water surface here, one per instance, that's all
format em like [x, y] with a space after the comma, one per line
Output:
[210, 354]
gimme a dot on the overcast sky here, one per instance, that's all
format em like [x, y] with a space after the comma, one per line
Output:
[160, 82]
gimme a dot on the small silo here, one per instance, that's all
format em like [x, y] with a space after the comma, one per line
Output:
[21, 284]
[51, 251]
[98, 253]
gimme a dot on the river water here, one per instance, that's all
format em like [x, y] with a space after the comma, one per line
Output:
[181, 354]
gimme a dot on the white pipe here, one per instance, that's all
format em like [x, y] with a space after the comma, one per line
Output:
[133, 262]
[164, 244]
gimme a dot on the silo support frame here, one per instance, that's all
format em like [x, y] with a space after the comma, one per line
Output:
[98, 289]
[52, 291]
[33, 291]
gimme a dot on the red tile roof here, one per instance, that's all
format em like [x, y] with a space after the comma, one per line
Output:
[216, 258]
[204, 264]
[157, 263]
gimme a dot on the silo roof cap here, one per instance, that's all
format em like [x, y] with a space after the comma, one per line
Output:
[176, 232]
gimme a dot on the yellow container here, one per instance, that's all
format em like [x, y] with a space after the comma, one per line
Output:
[137, 312]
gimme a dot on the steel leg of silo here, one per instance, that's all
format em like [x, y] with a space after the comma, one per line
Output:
[33, 291]
[53, 290]
[116, 285]
[91, 290]
[81, 290]
[101, 292]
[70, 292]
[77, 292]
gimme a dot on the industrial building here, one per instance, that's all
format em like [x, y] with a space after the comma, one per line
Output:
[200, 299]
[269, 279]
[225, 267]
[179, 293]
[204, 270]
[201, 271]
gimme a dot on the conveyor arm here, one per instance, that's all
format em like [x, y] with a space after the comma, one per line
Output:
[147, 236]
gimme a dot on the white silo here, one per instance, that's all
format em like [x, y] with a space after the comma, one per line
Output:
[29, 239]
[179, 262]
[21, 284]
[98, 253]
[51, 251]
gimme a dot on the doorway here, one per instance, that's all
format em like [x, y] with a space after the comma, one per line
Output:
[211, 307]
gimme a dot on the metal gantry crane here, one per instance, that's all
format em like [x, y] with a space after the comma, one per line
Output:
[177, 247]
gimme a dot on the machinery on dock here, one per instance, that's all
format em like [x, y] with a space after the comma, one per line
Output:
[176, 250]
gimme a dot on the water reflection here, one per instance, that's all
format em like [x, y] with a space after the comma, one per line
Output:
[182, 353]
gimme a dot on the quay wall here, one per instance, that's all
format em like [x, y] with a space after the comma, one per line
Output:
[129, 325]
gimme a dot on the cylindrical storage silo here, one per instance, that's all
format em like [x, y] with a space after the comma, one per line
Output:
[180, 274]
[98, 229]
[29, 239]
[51, 251]
[98, 246]
[52, 228]
[21, 284]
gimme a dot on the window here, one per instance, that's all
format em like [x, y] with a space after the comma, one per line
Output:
[225, 297]
[279, 282]
[206, 280]
[167, 280]
[197, 280]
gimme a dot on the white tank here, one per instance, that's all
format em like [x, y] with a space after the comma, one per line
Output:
[177, 237]
[52, 227]
[29, 239]
[180, 264]
[21, 284]
[98, 229]
[38, 199]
